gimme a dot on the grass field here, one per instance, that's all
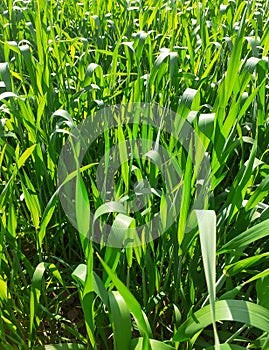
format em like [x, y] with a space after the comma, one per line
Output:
[203, 283]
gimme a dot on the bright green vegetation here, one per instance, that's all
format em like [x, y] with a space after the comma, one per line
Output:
[199, 289]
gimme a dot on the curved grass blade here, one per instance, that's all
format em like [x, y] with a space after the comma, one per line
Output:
[256, 232]
[121, 321]
[36, 288]
[207, 229]
[131, 302]
[225, 310]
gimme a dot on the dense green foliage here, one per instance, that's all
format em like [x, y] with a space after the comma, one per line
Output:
[60, 62]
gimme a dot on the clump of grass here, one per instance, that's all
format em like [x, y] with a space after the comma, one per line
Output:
[63, 61]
